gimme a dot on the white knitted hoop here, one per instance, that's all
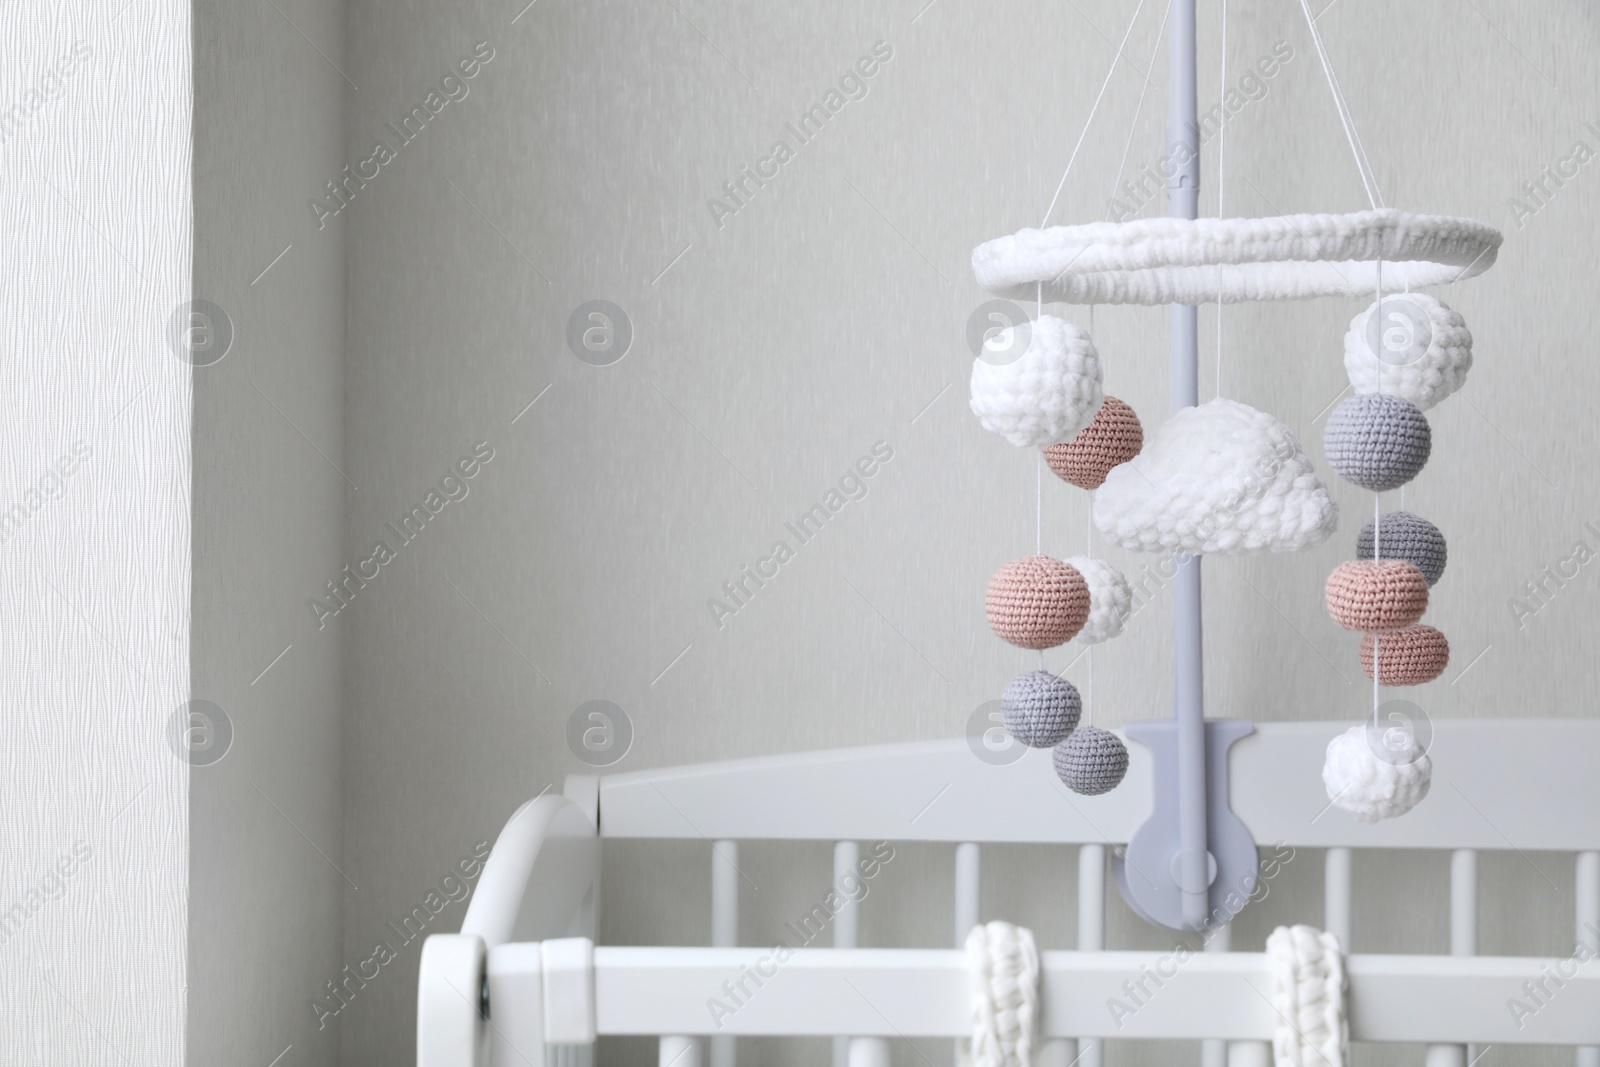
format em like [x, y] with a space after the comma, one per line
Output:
[1308, 996]
[1199, 261]
[1003, 975]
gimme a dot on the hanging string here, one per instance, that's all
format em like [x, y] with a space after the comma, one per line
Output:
[1222, 144]
[1369, 180]
[1377, 506]
[1377, 555]
[1088, 669]
[1133, 127]
[1038, 513]
[1103, 86]
[1048, 211]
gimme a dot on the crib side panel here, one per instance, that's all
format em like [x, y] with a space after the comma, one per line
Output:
[1496, 784]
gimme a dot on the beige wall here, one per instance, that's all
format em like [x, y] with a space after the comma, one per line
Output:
[264, 905]
[826, 316]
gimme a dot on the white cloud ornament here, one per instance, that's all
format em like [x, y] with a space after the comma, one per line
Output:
[1218, 479]
[1045, 396]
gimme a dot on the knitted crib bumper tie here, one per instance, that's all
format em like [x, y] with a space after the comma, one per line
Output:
[1003, 976]
[1308, 996]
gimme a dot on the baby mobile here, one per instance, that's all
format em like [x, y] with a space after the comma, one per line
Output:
[1223, 478]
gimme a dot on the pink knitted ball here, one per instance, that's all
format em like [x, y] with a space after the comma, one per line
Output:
[1411, 656]
[1387, 595]
[1113, 438]
[1037, 602]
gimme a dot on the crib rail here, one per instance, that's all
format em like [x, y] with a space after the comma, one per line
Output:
[569, 992]
[909, 992]
[939, 791]
[540, 876]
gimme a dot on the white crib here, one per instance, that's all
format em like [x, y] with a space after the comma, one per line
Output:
[523, 982]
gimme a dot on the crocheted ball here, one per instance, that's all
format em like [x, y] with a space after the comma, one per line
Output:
[1040, 709]
[1389, 594]
[1091, 761]
[1048, 395]
[1377, 441]
[1219, 478]
[1408, 537]
[1371, 788]
[1110, 599]
[1037, 602]
[1114, 437]
[1415, 348]
[1410, 656]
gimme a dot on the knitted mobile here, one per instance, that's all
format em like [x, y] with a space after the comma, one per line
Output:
[1224, 478]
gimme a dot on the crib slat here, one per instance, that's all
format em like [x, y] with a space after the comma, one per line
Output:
[1091, 898]
[1336, 895]
[1587, 879]
[724, 928]
[1249, 1054]
[1463, 940]
[1214, 1053]
[1091, 929]
[969, 885]
[679, 1051]
[847, 924]
[868, 1052]
[1464, 902]
[1445, 1056]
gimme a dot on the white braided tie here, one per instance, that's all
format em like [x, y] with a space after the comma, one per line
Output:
[1003, 975]
[1308, 988]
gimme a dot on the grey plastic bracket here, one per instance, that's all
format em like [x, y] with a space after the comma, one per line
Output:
[1153, 873]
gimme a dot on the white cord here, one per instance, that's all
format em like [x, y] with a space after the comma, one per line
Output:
[1222, 145]
[1369, 180]
[1038, 515]
[1070, 159]
[1377, 513]
[1377, 556]
[1088, 655]
[1133, 127]
[1003, 978]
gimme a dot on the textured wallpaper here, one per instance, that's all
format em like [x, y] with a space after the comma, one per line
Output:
[95, 359]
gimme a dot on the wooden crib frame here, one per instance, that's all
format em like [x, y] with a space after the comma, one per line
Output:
[523, 983]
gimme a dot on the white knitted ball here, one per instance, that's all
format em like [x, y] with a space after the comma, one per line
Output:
[1219, 478]
[1046, 396]
[1372, 788]
[1417, 349]
[1110, 599]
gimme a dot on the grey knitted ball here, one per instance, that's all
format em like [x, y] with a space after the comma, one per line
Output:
[1377, 441]
[1040, 709]
[1091, 761]
[1408, 537]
